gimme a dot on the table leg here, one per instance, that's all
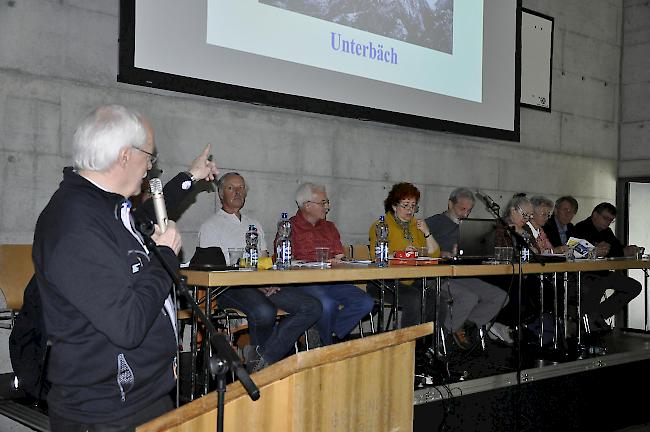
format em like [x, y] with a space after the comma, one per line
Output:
[555, 310]
[566, 306]
[193, 348]
[438, 335]
[645, 299]
[579, 287]
[207, 348]
[423, 304]
[395, 304]
[541, 310]
[382, 303]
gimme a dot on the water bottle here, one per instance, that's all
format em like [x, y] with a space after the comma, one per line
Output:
[381, 243]
[283, 246]
[251, 252]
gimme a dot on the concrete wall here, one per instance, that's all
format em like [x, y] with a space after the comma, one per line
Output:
[58, 59]
[635, 90]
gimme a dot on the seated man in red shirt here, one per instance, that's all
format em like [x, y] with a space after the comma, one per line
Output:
[343, 304]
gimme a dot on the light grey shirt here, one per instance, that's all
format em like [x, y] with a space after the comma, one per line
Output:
[225, 230]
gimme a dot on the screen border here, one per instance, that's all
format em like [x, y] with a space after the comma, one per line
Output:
[129, 74]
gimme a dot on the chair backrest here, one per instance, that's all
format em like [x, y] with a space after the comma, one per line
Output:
[360, 251]
[16, 269]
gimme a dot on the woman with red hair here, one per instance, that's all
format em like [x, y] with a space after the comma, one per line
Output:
[406, 233]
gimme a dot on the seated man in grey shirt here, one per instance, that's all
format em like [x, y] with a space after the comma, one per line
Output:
[471, 300]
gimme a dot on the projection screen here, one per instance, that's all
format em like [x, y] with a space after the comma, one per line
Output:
[448, 65]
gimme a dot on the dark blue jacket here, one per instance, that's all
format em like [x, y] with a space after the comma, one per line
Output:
[113, 346]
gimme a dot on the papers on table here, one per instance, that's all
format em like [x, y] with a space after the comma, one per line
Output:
[580, 247]
[310, 264]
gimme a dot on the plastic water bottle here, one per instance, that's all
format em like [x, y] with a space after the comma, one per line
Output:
[251, 252]
[283, 246]
[381, 244]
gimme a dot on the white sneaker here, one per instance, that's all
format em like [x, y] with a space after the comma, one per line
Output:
[501, 333]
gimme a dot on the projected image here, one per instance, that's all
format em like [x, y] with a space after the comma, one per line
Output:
[427, 23]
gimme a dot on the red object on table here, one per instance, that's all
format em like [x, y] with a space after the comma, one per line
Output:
[406, 254]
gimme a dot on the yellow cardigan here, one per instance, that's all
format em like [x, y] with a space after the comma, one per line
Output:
[396, 240]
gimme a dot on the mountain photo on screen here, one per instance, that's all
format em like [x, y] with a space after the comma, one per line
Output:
[426, 23]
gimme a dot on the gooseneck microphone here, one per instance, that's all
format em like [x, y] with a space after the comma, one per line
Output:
[489, 202]
[158, 203]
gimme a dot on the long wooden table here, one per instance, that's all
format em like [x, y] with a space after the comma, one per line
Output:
[354, 272]
[344, 272]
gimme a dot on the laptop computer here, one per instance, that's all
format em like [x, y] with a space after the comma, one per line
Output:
[476, 238]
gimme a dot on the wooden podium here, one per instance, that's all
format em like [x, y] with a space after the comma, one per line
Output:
[361, 385]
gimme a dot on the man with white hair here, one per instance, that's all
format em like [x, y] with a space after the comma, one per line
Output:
[227, 229]
[343, 304]
[106, 300]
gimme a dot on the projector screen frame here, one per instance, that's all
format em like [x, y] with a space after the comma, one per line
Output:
[129, 74]
[545, 100]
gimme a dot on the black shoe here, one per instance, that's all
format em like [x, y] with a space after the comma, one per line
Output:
[259, 365]
[597, 324]
[462, 339]
[253, 360]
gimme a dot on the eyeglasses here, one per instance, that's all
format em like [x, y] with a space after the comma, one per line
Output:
[526, 216]
[609, 219]
[546, 214]
[405, 206]
[152, 157]
[324, 203]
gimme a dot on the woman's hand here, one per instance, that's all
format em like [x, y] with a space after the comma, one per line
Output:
[422, 226]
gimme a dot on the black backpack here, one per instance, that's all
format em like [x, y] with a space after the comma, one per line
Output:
[28, 344]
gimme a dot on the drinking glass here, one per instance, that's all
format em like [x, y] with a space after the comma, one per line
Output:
[322, 255]
[234, 256]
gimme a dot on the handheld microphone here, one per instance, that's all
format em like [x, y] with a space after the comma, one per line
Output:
[489, 202]
[158, 203]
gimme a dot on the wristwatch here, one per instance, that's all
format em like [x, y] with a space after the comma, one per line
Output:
[188, 183]
[191, 176]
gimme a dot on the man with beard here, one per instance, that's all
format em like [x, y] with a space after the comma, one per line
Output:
[474, 300]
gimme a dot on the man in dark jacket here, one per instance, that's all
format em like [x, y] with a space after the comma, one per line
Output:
[595, 229]
[106, 300]
[558, 227]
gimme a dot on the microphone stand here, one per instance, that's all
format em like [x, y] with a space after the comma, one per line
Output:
[224, 357]
[518, 243]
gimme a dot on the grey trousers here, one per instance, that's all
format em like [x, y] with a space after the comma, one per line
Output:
[469, 299]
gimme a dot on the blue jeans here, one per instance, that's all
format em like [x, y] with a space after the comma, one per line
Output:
[275, 341]
[344, 306]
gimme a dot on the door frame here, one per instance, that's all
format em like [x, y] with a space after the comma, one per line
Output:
[622, 204]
